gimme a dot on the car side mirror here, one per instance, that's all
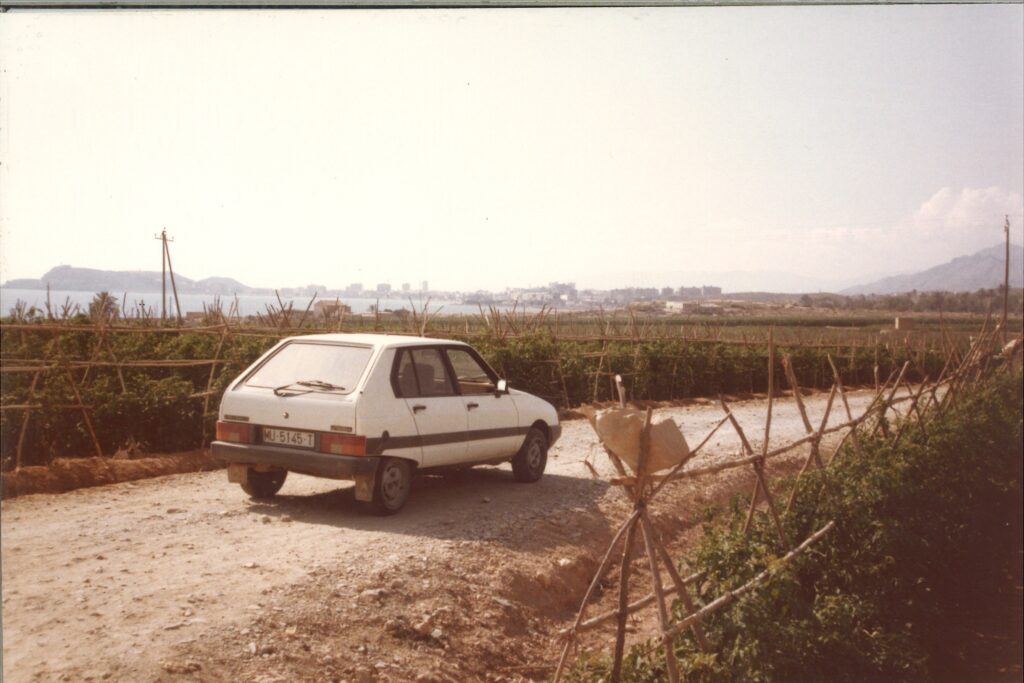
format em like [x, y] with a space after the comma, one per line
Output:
[502, 387]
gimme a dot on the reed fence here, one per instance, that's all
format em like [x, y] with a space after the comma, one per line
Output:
[923, 405]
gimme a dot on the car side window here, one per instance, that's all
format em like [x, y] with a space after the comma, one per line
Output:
[405, 375]
[472, 377]
[422, 373]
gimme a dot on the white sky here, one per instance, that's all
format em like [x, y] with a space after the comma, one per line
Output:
[494, 148]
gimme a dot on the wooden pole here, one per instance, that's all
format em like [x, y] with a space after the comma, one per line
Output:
[209, 380]
[85, 408]
[170, 270]
[888, 401]
[163, 273]
[842, 395]
[24, 420]
[620, 626]
[598, 575]
[671, 667]
[814, 455]
[679, 583]
[757, 461]
[1006, 277]
[730, 596]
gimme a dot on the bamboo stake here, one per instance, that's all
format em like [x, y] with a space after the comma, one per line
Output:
[913, 408]
[846, 404]
[814, 455]
[78, 399]
[731, 596]
[117, 367]
[620, 627]
[678, 583]
[209, 380]
[760, 483]
[756, 460]
[24, 421]
[888, 402]
[670, 657]
[598, 575]
[635, 606]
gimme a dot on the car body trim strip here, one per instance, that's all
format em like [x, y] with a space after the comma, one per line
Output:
[378, 445]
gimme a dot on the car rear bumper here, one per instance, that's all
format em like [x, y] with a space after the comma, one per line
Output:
[292, 459]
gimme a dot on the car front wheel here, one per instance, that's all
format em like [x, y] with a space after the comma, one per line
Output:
[528, 464]
[264, 484]
[391, 486]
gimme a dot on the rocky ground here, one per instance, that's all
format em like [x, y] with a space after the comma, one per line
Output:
[183, 577]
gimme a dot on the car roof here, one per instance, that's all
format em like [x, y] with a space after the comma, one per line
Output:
[376, 340]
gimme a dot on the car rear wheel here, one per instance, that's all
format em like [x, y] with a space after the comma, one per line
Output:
[264, 484]
[391, 486]
[528, 464]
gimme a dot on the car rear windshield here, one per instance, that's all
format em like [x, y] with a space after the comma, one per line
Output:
[324, 364]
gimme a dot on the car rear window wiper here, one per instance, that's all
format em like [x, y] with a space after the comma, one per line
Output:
[320, 384]
[314, 383]
[280, 391]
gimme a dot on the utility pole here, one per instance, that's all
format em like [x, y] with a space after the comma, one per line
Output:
[163, 272]
[167, 268]
[1006, 277]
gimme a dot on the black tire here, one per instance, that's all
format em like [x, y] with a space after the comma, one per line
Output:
[528, 464]
[264, 484]
[391, 486]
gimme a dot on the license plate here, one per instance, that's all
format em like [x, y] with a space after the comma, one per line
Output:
[288, 437]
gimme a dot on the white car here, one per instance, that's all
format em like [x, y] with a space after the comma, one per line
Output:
[376, 408]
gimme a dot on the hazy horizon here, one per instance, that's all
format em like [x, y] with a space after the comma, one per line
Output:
[484, 149]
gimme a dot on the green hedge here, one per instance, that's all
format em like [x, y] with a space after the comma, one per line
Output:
[157, 409]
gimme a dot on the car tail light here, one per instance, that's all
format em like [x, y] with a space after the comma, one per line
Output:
[234, 432]
[342, 444]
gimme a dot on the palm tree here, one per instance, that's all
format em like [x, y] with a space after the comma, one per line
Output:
[103, 307]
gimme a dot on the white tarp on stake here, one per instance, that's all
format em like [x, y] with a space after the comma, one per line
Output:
[619, 430]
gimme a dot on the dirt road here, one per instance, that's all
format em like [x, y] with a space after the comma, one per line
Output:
[184, 578]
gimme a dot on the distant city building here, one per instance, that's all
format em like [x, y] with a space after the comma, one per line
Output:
[384, 288]
[564, 292]
[354, 289]
[698, 292]
[406, 286]
[424, 287]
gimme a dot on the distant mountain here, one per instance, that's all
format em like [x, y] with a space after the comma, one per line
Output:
[982, 270]
[70, 278]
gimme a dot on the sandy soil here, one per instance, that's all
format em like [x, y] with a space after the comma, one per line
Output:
[183, 577]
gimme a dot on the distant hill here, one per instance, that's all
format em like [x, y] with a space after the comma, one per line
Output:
[74, 279]
[982, 270]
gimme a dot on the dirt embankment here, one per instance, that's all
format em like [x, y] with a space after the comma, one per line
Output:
[184, 578]
[68, 474]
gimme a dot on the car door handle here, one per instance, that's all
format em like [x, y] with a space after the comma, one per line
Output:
[470, 406]
[417, 408]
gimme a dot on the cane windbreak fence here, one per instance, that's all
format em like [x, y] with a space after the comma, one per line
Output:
[76, 384]
[897, 408]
